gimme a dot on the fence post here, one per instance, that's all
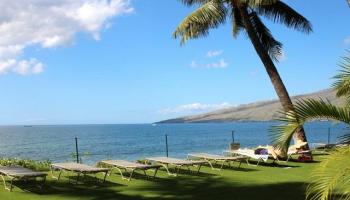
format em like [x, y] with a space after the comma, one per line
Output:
[166, 145]
[329, 135]
[233, 136]
[76, 149]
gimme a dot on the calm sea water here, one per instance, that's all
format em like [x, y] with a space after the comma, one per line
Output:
[133, 142]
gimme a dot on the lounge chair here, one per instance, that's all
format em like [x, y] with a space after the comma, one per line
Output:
[77, 168]
[178, 163]
[214, 159]
[130, 166]
[248, 154]
[19, 173]
[318, 147]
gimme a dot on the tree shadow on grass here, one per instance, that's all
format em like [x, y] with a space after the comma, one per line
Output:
[218, 188]
[279, 164]
[294, 160]
[65, 184]
[176, 188]
[204, 186]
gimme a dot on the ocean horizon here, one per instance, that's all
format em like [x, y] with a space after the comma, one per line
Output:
[136, 141]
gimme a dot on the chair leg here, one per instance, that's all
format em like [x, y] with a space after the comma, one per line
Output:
[222, 165]
[121, 173]
[131, 173]
[56, 177]
[155, 172]
[105, 176]
[199, 168]
[257, 164]
[5, 184]
[53, 175]
[240, 163]
[11, 184]
[43, 182]
[167, 169]
[188, 168]
[210, 164]
[78, 177]
[178, 169]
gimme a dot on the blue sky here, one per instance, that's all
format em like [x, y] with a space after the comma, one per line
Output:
[120, 64]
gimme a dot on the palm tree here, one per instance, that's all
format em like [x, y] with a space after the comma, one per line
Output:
[333, 174]
[245, 15]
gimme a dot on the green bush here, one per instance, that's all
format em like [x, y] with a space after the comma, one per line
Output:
[31, 164]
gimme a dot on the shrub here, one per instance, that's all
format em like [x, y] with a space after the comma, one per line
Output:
[31, 164]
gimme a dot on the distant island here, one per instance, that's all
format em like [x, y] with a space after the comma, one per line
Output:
[257, 111]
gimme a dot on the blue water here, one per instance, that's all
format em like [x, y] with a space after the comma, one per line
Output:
[133, 142]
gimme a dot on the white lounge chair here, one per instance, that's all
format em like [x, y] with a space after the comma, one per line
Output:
[318, 147]
[19, 173]
[248, 154]
[213, 159]
[130, 166]
[78, 169]
[178, 163]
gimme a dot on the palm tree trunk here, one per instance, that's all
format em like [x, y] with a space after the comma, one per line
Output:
[271, 70]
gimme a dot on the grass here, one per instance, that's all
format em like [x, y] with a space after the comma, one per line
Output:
[284, 181]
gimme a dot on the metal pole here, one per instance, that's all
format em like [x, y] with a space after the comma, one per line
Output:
[166, 145]
[329, 134]
[233, 136]
[76, 149]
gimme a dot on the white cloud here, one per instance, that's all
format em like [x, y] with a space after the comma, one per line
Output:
[347, 40]
[26, 67]
[22, 67]
[214, 53]
[195, 107]
[219, 64]
[49, 24]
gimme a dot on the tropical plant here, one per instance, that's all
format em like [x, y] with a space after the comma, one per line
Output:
[333, 174]
[245, 16]
[31, 164]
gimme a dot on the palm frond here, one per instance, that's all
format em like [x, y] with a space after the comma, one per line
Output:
[344, 139]
[197, 24]
[281, 135]
[269, 43]
[280, 12]
[342, 79]
[305, 110]
[237, 23]
[332, 173]
[253, 3]
[193, 2]
[320, 109]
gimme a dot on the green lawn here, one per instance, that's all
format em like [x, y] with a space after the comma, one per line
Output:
[286, 181]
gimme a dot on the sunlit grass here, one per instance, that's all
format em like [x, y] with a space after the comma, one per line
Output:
[287, 180]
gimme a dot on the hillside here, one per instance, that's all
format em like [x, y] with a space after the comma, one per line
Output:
[258, 111]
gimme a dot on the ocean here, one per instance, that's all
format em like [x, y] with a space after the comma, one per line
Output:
[131, 142]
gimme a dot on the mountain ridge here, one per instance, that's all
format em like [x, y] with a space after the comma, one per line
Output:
[265, 110]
